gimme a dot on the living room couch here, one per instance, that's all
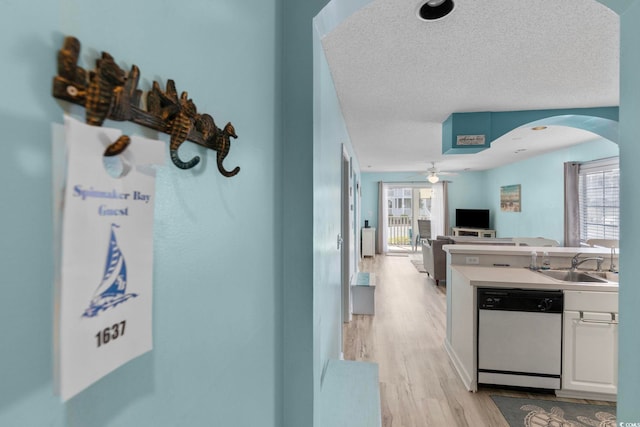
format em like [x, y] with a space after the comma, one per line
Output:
[434, 258]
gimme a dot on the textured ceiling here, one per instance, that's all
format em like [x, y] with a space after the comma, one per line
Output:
[399, 77]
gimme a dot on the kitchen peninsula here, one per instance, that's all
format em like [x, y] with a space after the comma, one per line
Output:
[510, 325]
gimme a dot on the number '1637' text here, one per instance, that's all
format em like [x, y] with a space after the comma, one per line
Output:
[109, 334]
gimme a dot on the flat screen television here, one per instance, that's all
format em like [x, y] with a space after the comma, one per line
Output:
[472, 218]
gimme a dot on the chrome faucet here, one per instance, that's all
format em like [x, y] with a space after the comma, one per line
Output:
[575, 261]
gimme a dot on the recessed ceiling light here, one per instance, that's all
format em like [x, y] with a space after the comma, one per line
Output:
[539, 128]
[434, 9]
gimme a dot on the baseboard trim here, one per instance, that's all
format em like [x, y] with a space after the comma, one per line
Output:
[574, 394]
[469, 383]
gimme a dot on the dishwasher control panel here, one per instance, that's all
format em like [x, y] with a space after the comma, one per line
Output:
[530, 300]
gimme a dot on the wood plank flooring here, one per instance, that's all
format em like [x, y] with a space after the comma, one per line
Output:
[418, 384]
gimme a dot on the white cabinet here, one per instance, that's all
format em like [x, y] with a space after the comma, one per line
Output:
[475, 232]
[368, 241]
[590, 348]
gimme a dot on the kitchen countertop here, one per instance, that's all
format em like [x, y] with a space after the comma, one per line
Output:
[558, 251]
[510, 277]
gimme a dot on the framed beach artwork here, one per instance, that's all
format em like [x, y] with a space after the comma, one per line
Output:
[510, 198]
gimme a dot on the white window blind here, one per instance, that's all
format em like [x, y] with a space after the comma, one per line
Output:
[599, 199]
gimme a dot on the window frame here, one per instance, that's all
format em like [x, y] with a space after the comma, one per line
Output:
[609, 223]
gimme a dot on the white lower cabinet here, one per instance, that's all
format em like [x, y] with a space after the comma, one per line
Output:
[590, 345]
[368, 242]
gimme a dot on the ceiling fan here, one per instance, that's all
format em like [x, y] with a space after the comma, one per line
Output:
[433, 174]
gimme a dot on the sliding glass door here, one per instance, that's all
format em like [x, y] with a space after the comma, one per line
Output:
[405, 205]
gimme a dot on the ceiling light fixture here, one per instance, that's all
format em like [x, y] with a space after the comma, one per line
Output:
[434, 9]
[433, 178]
[539, 128]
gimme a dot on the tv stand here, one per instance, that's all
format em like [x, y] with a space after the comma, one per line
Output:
[476, 232]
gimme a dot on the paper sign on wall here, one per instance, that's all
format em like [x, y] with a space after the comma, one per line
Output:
[104, 293]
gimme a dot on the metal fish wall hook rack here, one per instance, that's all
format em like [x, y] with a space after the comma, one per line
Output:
[107, 92]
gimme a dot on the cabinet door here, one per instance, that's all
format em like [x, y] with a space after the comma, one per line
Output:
[590, 359]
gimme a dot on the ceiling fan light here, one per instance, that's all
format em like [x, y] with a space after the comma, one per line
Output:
[433, 178]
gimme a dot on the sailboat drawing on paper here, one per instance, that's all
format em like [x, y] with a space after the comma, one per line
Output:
[112, 290]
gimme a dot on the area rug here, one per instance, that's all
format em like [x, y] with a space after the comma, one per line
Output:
[522, 412]
[418, 265]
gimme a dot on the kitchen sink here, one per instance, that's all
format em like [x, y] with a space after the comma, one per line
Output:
[609, 276]
[575, 276]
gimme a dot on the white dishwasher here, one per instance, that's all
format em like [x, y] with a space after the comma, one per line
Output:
[520, 337]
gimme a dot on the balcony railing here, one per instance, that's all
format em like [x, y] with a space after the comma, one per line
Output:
[400, 230]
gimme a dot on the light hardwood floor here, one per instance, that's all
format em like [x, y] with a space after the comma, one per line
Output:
[418, 385]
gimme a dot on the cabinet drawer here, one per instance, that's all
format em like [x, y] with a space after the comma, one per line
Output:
[591, 301]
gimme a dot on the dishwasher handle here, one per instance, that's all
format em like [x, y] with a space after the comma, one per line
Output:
[601, 318]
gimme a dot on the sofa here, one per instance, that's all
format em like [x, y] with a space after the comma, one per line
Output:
[434, 258]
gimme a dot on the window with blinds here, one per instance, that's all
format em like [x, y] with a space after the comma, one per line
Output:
[599, 199]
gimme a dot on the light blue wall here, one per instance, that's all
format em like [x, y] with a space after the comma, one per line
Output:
[629, 338]
[542, 190]
[542, 184]
[26, 308]
[218, 288]
[331, 140]
[300, 352]
[602, 121]
[329, 132]
[466, 190]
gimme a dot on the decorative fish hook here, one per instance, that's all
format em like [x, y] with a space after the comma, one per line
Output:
[217, 139]
[223, 144]
[180, 128]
